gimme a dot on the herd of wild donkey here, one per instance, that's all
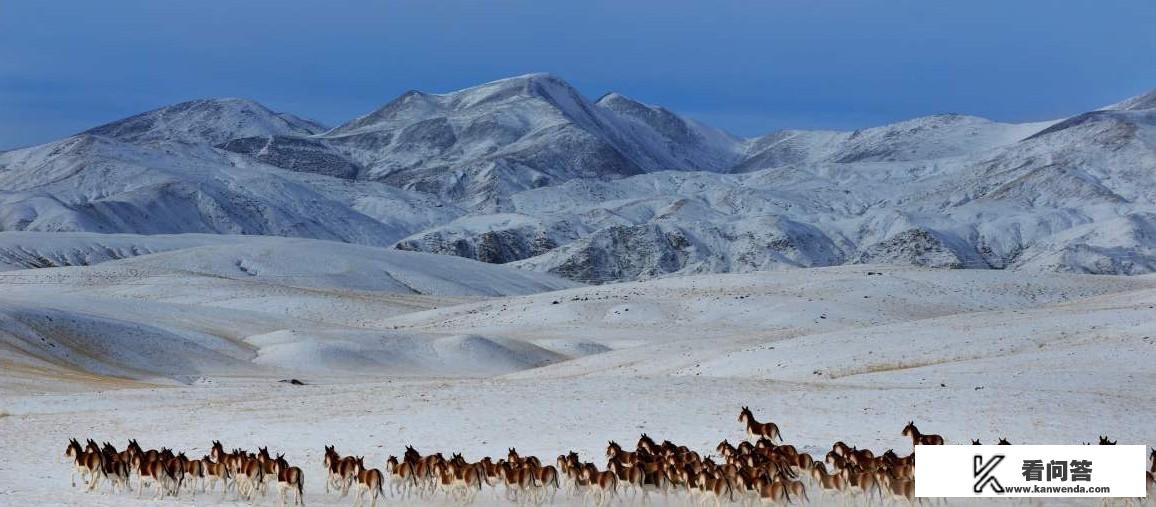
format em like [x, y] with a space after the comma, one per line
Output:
[756, 470]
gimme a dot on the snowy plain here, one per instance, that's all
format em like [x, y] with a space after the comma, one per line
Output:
[183, 346]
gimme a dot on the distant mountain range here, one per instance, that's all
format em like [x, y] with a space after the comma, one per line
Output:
[527, 171]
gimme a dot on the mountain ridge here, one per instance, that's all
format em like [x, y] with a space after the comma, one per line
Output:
[527, 170]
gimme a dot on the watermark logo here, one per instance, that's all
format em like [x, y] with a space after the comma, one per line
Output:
[990, 471]
[983, 476]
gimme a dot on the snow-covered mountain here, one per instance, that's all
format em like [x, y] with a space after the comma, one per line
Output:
[210, 121]
[945, 191]
[477, 146]
[932, 137]
[96, 183]
[1139, 102]
[528, 171]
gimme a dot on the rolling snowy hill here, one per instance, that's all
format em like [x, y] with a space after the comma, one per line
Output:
[242, 305]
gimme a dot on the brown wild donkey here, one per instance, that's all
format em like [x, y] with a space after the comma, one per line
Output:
[918, 438]
[755, 429]
[290, 479]
[402, 477]
[215, 471]
[85, 463]
[368, 481]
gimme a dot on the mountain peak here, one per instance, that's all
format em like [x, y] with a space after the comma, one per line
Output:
[534, 86]
[626, 106]
[212, 121]
[417, 104]
[524, 81]
[616, 101]
[1143, 101]
[529, 76]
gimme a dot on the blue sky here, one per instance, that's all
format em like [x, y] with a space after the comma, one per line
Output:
[747, 66]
